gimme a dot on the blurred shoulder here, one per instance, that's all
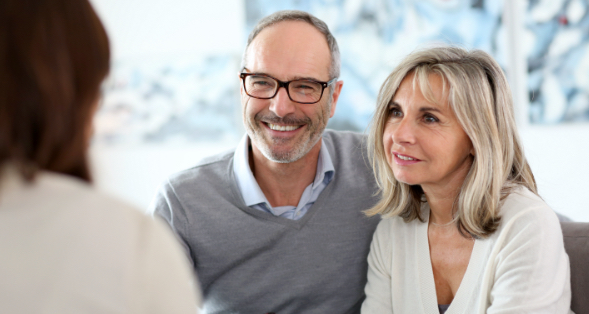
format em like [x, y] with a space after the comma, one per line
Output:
[76, 195]
[62, 200]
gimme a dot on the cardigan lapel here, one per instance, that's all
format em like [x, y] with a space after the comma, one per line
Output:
[427, 286]
[468, 285]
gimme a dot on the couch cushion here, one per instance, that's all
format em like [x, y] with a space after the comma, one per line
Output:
[576, 244]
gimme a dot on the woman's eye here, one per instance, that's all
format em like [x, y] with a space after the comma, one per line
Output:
[430, 119]
[395, 112]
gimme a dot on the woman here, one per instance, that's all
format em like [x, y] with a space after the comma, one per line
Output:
[463, 228]
[64, 248]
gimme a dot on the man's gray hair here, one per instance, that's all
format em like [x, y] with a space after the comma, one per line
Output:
[293, 15]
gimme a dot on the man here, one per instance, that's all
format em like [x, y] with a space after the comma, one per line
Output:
[277, 225]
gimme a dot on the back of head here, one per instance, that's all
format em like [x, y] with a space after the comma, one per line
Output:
[294, 15]
[481, 99]
[54, 56]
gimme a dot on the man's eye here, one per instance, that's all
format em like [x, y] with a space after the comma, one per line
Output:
[261, 83]
[306, 87]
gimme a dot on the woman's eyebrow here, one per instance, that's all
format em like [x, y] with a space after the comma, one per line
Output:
[422, 109]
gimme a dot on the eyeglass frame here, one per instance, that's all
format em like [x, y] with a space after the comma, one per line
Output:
[324, 85]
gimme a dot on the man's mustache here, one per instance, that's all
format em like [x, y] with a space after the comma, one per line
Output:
[286, 120]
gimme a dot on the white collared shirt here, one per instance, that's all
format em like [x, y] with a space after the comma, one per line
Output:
[255, 198]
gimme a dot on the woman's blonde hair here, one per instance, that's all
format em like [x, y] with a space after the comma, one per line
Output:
[480, 97]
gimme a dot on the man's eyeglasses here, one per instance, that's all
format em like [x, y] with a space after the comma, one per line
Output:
[263, 86]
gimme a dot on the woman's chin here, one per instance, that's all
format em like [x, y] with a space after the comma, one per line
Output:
[408, 181]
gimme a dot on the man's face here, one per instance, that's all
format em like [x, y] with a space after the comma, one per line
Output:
[283, 130]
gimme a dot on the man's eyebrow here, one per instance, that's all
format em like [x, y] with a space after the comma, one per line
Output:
[293, 78]
[305, 78]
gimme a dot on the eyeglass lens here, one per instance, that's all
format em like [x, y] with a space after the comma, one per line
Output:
[299, 90]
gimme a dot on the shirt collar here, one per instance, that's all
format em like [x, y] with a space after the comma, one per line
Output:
[248, 186]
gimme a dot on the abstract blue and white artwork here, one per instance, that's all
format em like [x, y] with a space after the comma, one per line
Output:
[173, 101]
[196, 98]
[557, 43]
[376, 35]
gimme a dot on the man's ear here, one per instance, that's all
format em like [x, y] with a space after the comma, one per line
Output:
[337, 89]
[240, 84]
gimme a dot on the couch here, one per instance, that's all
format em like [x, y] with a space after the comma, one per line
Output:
[576, 244]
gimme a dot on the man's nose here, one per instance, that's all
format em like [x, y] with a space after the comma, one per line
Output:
[281, 105]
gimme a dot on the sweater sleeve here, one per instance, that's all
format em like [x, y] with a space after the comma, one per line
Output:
[166, 206]
[532, 273]
[378, 288]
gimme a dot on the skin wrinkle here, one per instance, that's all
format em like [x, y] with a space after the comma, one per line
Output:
[429, 131]
[313, 127]
[285, 51]
[440, 172]
[314, 130]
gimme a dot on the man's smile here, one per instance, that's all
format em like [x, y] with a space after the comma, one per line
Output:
[282, 128]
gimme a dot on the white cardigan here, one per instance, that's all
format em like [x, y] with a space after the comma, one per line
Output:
[521, 268]
[64, 248]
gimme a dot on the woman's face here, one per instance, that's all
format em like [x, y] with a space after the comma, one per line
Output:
[423, 141]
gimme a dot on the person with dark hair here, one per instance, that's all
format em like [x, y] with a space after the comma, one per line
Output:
[64, 247]
[277, 224]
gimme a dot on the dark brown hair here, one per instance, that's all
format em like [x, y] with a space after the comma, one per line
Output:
[54, 54]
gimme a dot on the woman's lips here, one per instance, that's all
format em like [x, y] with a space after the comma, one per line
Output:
[405, 160]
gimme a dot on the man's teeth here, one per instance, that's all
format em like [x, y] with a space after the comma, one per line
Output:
[283, 127]
[405, 157]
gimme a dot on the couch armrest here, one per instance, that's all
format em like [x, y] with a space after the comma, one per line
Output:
[576, 244]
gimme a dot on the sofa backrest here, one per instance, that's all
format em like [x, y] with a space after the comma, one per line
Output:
[576, 244]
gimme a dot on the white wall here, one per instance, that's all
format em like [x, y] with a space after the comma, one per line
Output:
[558, 154]
[134, 173]
[156, 28]
[559, 159]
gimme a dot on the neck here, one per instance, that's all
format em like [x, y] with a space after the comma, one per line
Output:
[441, 196]
[284, 183]
[441, 207]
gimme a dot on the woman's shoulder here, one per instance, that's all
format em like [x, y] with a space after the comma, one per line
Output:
[67, 206]
[523, 209]
[72, 192]
[392, 228]
[522, 201]
[67, 199]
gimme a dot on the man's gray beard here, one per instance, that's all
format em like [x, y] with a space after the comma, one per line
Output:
[297, 153]
[291, 156]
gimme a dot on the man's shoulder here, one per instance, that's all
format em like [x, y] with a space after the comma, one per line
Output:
[348, 149]
[209, 167]
[344, 137]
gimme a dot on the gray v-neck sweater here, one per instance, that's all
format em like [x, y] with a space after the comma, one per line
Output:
[249, 261]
